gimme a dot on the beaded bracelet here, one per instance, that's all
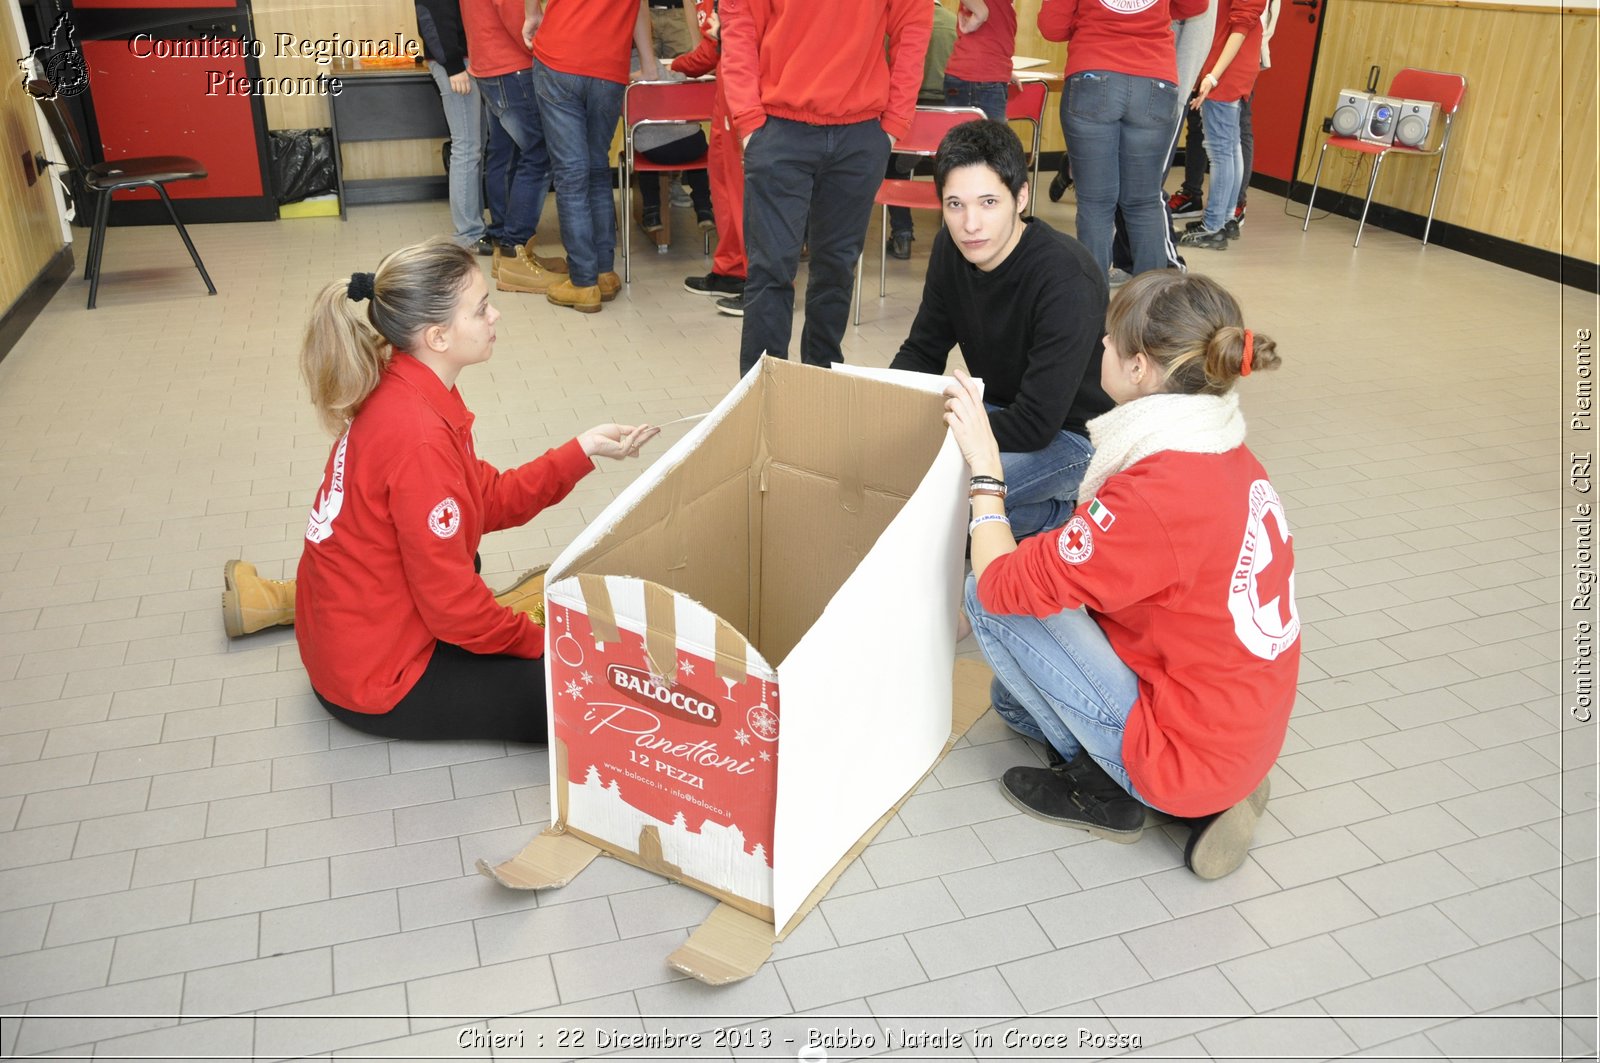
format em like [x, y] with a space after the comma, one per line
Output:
[985, 519]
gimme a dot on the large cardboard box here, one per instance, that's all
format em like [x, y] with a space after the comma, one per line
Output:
[749, 653]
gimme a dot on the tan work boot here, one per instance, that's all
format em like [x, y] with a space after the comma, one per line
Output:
[610, 285]
[523, 274]
[583, 300]
[551, 264]
[250, 603]
[526, 595]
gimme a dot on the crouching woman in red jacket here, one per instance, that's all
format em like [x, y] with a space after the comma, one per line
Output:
[1151, 643]
[399, 635]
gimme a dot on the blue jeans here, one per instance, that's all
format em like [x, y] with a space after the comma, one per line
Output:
[990, 96]
[464, 115]
[580, 116]
[511, 101]
[1119, 128]
[1221, 122]
[1042, 485]
[499, 156]
[1058, 681]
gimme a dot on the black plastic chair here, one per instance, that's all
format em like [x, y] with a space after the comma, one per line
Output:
[104, 178]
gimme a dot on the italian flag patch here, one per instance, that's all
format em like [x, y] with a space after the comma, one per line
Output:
[1102, 517]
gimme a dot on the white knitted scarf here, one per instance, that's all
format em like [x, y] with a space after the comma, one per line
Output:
[1195, 424]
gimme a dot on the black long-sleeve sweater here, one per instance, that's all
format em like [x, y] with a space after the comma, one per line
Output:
[1031, 329]
[443, 38]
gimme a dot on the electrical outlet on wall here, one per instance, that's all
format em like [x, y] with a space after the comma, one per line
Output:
[1327, 124]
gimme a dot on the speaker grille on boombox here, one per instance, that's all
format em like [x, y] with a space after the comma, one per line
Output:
[1351, 112]
[1416, 117]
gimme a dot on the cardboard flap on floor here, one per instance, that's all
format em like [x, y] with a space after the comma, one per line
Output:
[795, 561]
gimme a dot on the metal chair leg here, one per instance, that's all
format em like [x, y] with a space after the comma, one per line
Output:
[883, 254]
[1444, 150]
[173, 214]
[861, 261]
[625, 218]
[97, 243]
[1377, 164]
[94, 232]
[1321, 158]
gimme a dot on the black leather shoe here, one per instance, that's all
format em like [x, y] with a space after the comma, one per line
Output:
[1058, 187]
[1076, 794]
[900, 246]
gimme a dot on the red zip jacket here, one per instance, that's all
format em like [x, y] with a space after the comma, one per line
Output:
[822, 62]
[985, 55]
[704, 59]
[494, 37]
[1237, 16]
[387, 569]
[590, 38]
[1124, 36]
[1185, 562]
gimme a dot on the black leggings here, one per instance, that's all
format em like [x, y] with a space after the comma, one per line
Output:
[462, 694]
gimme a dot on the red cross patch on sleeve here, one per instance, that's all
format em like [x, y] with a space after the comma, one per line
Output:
[1077, 542]
[445, 520]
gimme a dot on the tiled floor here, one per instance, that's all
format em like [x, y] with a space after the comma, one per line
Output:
[191, 849]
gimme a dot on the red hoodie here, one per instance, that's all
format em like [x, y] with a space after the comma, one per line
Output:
[589, 38]
[1186, 563]
[387, 568]
[1124, 36]
[1237, 16]
[822, 62]
[494, 37]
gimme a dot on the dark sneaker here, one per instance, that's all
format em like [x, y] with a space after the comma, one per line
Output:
[1218, 844]
[1118, 277]
[900, 246]
[717, 284]
[1210, 241]
[485, 246]
[1238, 214]
[650, 222]
[1182, 205]
[1058, 187]
[1078, 794]
[1231, 230]
[733, 306]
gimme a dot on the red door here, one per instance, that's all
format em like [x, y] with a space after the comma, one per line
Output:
[1278, 112]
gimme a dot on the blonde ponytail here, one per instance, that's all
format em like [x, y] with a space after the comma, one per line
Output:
[348, 344]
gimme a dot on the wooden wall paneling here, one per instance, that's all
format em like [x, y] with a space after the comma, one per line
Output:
[349, 19]
[1525, 70]
[1580, 207]
[30, 230]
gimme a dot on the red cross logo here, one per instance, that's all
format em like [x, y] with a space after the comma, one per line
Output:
[1272, 581]
[1075, 539]
[447, 518]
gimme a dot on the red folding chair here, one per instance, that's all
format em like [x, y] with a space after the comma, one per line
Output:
[1026, 102]
[657, 103]
[1445, 90]
[928, 127]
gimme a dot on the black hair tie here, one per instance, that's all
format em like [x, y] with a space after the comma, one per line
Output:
[360, 286]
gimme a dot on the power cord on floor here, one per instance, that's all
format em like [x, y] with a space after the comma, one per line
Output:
[1345, 191]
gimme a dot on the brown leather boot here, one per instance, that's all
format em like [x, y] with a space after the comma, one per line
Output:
[610, 285]
[523, 274]
[526, 594]
[583, 300]
[553, 264]
[250, 603]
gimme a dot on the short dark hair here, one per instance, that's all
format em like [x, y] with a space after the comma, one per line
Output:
[982, 142]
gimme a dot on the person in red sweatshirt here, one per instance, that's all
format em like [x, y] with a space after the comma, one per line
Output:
[1230, 76]
[1116, 111]
[817, 103]
[399, 635]
[726, 279]
[580, 70]
[1152, 642]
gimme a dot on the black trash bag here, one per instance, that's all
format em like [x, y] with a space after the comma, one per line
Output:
[302, 163]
